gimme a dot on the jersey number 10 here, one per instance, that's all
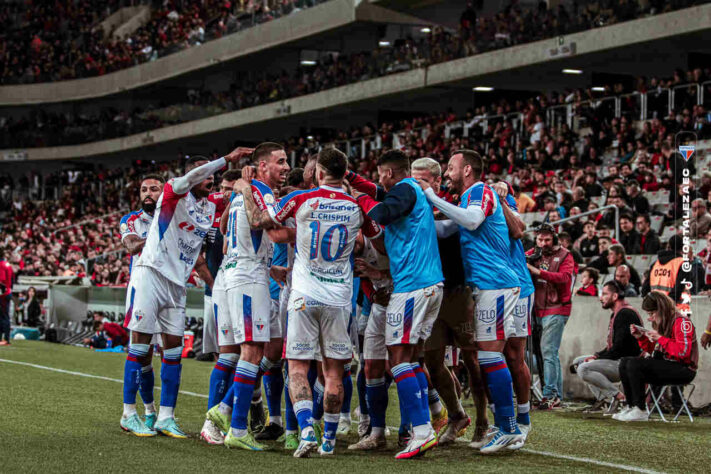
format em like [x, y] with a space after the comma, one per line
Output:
[325, 243]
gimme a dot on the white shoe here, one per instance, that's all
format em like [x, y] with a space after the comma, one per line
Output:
[418, 446]
[344, 426]
[363, 425]
[369, 443]
[307, 444]
[501, 440]
[635, 414]
[211, 434]
[617, 415]
[525, 430]
[327, 448]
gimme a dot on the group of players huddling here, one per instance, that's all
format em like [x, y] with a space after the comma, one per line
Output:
[433, 274]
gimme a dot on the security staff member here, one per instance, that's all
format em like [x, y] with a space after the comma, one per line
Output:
[667, 274]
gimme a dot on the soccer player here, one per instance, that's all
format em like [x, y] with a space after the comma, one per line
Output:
[134, 230]
[222, 374]
[515, 349]
[487, 263]
[411, 243]
[455, 322]
[375, 266]
[327, 223]
[248, 325]
[157, 286]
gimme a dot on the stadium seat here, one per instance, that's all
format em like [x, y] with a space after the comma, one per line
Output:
[657, 223]
[661, 207]
[668, 233]
[698, 245]
[656, 398]
[599, 200]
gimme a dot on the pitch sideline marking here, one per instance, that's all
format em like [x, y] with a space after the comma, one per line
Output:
[200, 395]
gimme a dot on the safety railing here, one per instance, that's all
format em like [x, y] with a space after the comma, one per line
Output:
[685, 95]
[593, 211]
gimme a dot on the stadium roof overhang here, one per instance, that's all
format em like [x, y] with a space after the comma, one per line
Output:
[327, 23]
[636, 48]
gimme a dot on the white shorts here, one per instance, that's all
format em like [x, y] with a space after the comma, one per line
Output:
[209, 325]
[353, 332]
[522, 316]
[494, 313]
[451, 356]
[315, 328]
[374, 338]
[249, 310]
[157, 304]
[410, 316]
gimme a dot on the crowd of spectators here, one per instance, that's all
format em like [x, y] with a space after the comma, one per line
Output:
[476, 34]
[53, 41]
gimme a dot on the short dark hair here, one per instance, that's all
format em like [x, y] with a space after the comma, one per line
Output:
[295, 177]
[265, 149]
[627, 215]
[192, 161]
[645, 217]
[334, 161]
[231, 175]
[593, 272]
[564, 235]
[618, 249]
[395, 159]
[472, 159]
[616, 288]
[155, 176]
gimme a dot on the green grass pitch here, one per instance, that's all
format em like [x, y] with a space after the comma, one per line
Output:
[59, 422]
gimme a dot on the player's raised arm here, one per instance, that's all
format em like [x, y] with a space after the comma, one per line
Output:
[130, 239]
[508, 205]
[195, 176]
[365, 186]
[469, 217]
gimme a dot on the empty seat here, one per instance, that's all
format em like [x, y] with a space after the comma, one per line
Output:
[656, 223]
[668, 233]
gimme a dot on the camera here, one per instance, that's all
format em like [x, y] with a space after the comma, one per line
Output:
[535, 256]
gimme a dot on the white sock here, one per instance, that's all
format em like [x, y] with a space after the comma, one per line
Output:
[150, 408]
[291, 432]
[422, 431]
[380, 431]
[238, 433]
[436, 408]
[524, 407]
[165, 412]
[224, 409]
[364, 418]
[346, 416]
[129, 409]
[276, 420]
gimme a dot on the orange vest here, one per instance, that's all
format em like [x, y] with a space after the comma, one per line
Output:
[663, 277]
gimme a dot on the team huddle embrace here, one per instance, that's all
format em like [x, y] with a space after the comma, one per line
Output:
[303, 276]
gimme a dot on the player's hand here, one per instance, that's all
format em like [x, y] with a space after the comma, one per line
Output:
[238, 153]
[382, 296]
[653, 335]
[249, 173]
[534, 271]
[501, 189]
[705, 340]
[241, 186]
[635, 331]
[355, 193]
[365, 269]
[424, 184]
[279, 274]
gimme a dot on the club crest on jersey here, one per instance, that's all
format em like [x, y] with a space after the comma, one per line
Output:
[260, 326]
[124, 227]
[138, 314]
[269, 199]
[225, 330]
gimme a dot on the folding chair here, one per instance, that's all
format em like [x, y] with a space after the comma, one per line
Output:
[657, 397]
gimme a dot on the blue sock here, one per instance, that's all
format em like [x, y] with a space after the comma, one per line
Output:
[312, 375]
[148, 381]
[245, 378]
[422, 380]
[229, 398]
[304, 413]
[292, 423]
[132, 372]
[347, 390]
[273, 381]
[498, 379]
[170, 376]
[220, 378]
[362, 388]
[330, 426]
[377, 396]
[317, 409]
[523, 417]
[408, 389]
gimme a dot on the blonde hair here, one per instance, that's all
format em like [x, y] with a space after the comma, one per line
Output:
[427, 164]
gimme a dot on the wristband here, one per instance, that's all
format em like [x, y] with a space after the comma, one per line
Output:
[706, 331]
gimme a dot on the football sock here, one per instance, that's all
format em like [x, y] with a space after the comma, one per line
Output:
[408, 389]
[273, 381]
[245, 377]
[317, 409]
[498, 379]
[422, 380]
[347, 391]
[377, 398]
[220, 378]
[361, 386]
[132, 371]
[523, 417]
[170, 380]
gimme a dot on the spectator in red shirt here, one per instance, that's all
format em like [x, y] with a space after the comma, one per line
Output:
[589, 278]
[6, 278]
[673, 355]
[105, 331]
